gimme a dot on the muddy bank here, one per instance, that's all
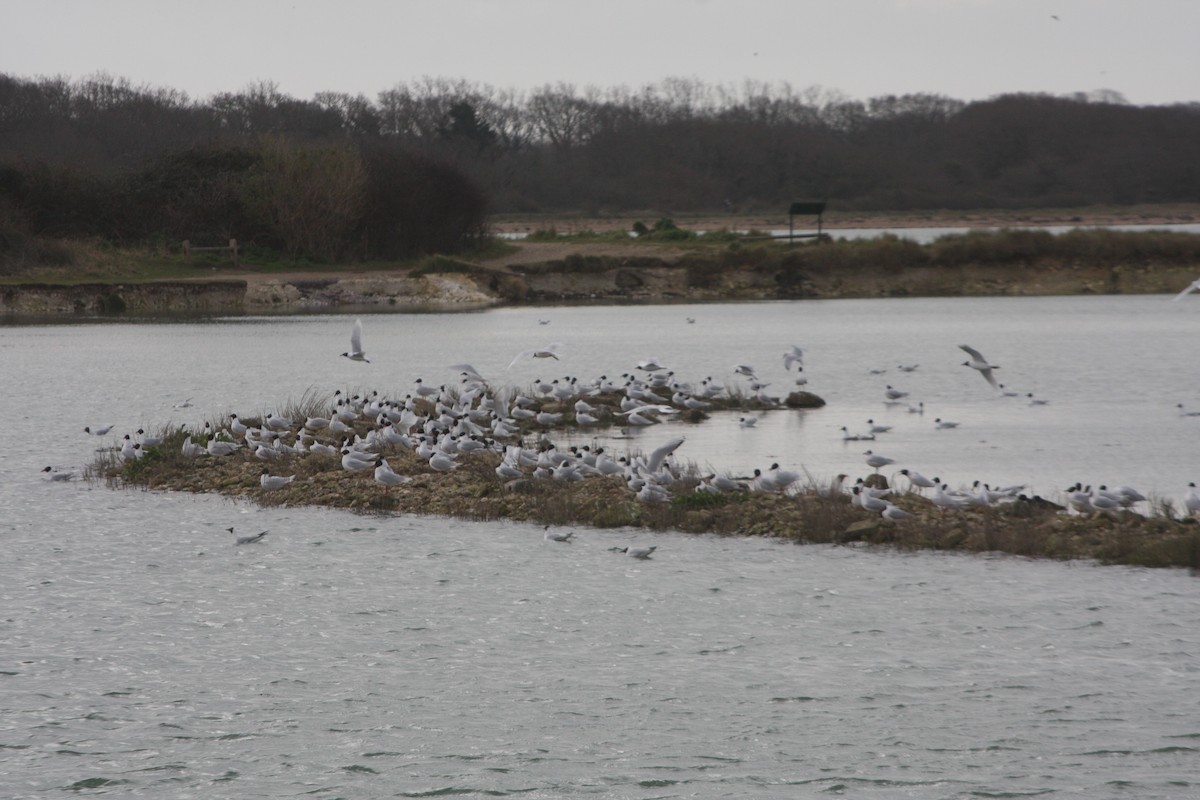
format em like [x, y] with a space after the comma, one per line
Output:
[580, 272]
[91, 299]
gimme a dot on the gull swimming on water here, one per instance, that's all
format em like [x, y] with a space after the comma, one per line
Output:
[557, 536]
[978, 362]
[639, 552]
[258, 537]
[356, 351]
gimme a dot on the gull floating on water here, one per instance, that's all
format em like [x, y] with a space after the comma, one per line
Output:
[99, 430]
[557, 536]
[258, 537]
[356, 350]
[978, 362]
[639, 552]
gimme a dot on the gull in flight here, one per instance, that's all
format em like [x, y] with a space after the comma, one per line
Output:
[1194, 286]
[549, 351]
[258, 537]
[794, 356]
[978, 362]
[356, 351]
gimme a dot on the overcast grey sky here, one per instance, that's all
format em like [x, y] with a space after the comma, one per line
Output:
[1148, 50]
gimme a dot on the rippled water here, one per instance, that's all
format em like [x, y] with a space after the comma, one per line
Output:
[351, 656]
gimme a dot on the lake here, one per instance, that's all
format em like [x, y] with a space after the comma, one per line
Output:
[145, 655]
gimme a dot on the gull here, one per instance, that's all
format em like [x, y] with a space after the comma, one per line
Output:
[691, 320]
[55, 475]
[385, 475]
[892, 393]
[258, 537]
[1194, 286]
[1192, 501]
[650, 365]
[978, 362]
[468, 370]
[878, 428]
[907, 367]
[745, 369]
[847, 436]
[271, 482]
[557, 536]
[659, 455]
[895, 513]
[793, 356]
[868, 501]
[184, 403]
[782, 478]
[100, 430]
[1185, 413]
[639, 552]
[917, 479]
[1035, 401]
[875, 460]
[549, 351]
[943, 499]
[944, 424]
[747, 422]
[1007, 392]
[834, 488]
[356, 351]
[442, 462]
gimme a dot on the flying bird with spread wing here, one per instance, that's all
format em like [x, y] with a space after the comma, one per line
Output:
[978, 362]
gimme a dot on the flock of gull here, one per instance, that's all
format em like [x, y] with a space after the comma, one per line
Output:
[445, 425]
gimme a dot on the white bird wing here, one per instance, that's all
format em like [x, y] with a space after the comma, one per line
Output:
[660, 409]
[660, 454]
[975, 354]
[467, 368]
[990, 378]
[1191, 287]
[521, 355]
[356, 337]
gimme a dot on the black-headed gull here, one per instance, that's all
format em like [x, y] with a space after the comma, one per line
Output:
[979, 363]
[557, 536]
[549, 351]
[271, 482]
[355, 353]
[257, 537]
[639, 552]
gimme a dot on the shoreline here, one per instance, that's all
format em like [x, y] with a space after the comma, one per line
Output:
[610, 270]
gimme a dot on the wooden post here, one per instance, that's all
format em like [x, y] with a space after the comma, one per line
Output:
[187, 251]
[233, 250]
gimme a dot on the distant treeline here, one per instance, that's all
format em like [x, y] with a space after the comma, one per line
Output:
[676, 146]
